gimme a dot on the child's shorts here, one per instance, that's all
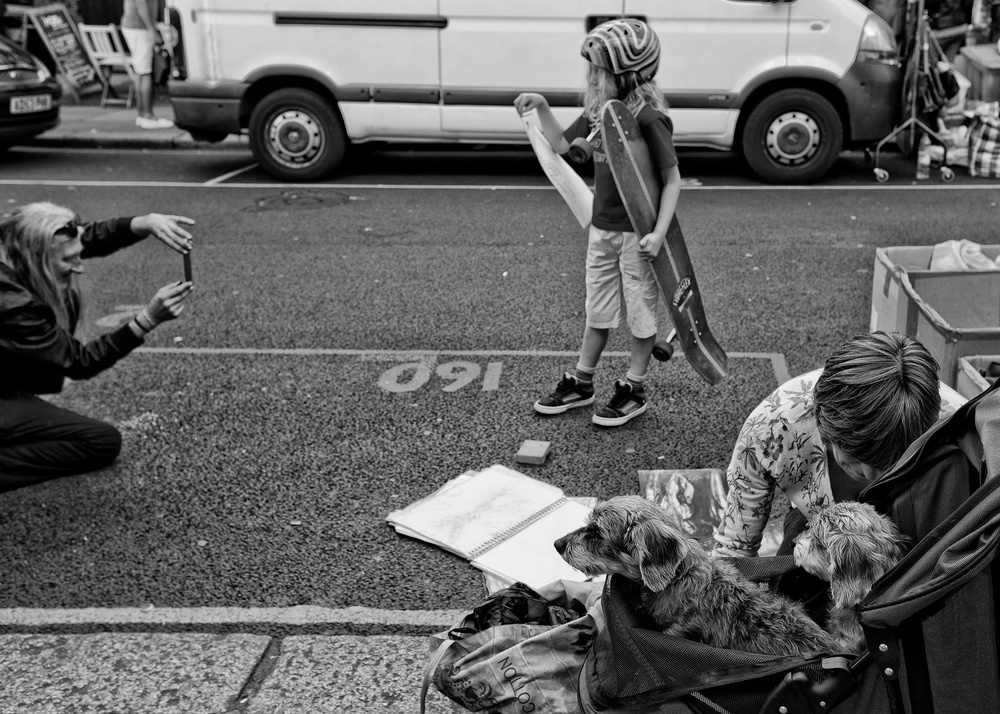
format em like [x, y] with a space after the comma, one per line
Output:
[614, 268]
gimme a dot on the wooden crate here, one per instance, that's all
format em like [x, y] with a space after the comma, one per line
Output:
[981, 66]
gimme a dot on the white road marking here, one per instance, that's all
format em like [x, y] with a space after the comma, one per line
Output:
[298, 615]
[465, 187]
[777, 359]
[225, 177]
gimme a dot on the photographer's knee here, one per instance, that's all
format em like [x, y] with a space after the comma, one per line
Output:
[103, 443]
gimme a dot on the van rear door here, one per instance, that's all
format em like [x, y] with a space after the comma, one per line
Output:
[492, 51]
[711, 50]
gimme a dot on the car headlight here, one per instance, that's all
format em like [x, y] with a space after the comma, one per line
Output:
[43, 71]
[877, 43]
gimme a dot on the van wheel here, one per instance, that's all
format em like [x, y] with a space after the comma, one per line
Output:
[296, 135]
[793, 136]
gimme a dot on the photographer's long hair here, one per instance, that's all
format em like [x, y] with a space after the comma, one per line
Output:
[28, 240]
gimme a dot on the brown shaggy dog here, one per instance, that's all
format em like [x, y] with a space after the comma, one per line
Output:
[686, 592]
[850, 545]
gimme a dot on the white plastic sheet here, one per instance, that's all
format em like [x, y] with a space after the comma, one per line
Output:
[568, 182]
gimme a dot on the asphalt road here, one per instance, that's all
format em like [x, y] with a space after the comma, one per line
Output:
[352, 346]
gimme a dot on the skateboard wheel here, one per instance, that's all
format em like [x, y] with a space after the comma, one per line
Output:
[881, 175]
[663, 350]
[580, 151]
[947, 175]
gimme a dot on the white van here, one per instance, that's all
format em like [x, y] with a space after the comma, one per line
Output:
[788, 83]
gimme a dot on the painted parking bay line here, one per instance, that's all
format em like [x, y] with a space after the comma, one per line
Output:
[777, 359]
[193, 617]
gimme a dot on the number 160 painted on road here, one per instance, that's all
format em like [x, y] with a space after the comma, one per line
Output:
[411, 376]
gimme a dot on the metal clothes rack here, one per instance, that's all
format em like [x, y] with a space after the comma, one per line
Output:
[921, 69]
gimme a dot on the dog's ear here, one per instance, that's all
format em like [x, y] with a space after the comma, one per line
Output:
[659, 549]
[856, 562]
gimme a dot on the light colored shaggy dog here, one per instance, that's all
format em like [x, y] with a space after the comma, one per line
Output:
[850, 545]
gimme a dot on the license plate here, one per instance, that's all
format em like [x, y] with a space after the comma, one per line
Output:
[27, 105]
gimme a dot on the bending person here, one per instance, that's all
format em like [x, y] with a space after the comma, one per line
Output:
[823, 436]
[41, 246]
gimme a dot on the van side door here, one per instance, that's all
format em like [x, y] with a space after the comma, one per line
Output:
[492, 51]
[712, 49]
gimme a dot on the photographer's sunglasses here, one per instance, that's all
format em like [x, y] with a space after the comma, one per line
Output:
[72, 228]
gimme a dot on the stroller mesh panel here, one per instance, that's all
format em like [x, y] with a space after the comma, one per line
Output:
[635, 665]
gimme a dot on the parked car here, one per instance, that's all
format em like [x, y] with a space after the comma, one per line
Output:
[787, 83]
[29, 95]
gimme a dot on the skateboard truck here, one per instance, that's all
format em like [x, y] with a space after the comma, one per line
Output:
[663, 350]
[581, 150]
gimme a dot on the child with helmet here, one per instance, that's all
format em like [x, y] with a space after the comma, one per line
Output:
[624, 55]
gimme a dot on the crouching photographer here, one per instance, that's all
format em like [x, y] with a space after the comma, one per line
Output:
[41, 248]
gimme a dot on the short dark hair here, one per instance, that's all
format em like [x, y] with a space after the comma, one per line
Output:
[878, 392]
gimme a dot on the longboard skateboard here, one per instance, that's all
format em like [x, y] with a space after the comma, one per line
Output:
[640, 186]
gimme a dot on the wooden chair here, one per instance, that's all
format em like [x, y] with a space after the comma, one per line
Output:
[105, 45]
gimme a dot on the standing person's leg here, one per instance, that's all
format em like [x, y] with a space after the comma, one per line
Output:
[40, 441]
[576, 388]
[144, 95]
[641, 296]
[140, 43]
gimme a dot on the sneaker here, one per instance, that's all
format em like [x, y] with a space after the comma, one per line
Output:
[569, 394]
[153, 123]
[627, 404]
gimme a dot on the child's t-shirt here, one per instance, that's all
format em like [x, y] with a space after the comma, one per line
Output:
[658, 131]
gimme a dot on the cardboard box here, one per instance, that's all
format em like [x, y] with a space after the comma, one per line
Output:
[970, 380]
[953, 313]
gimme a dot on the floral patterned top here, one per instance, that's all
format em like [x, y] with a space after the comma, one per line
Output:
[779, 446]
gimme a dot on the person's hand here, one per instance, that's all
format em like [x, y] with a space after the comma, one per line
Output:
[168, 229]
[527, 101]
[168, 303]
[650, 245]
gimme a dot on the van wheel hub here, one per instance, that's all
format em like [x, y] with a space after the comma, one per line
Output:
[295, 138]
[793, 138]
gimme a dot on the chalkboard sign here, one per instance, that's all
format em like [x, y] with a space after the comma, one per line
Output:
[59, 33]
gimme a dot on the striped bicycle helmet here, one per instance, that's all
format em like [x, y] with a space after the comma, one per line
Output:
[623, 45]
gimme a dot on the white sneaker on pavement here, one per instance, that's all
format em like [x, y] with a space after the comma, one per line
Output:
[153, 123]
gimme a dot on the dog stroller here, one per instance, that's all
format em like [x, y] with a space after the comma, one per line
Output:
[635, 668]
[930, 623]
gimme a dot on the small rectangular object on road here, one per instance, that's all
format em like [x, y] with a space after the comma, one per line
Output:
[532, 452]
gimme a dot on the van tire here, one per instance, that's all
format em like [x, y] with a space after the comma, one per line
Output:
[792, 136]
[296, 135]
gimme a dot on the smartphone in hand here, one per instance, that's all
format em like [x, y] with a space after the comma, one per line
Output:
[187, 267]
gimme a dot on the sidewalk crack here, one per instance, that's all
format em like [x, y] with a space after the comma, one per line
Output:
[261, 671]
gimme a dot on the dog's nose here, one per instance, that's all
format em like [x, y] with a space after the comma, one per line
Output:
[560, 545]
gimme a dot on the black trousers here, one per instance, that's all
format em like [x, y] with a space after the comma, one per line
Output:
[40, 441]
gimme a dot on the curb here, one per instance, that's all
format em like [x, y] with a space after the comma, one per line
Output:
[136, 141]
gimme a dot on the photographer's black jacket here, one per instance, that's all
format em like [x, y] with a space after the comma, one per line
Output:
[36, 354]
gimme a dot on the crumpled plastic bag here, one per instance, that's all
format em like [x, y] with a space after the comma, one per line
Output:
[517, 604]
[961, 255]
[956, 141]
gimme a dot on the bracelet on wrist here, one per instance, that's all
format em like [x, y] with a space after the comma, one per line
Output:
[138, 329]
[144, 322]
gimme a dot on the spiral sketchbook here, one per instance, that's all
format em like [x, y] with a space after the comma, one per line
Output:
[502, 521]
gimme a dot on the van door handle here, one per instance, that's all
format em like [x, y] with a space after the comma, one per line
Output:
[595, 20]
